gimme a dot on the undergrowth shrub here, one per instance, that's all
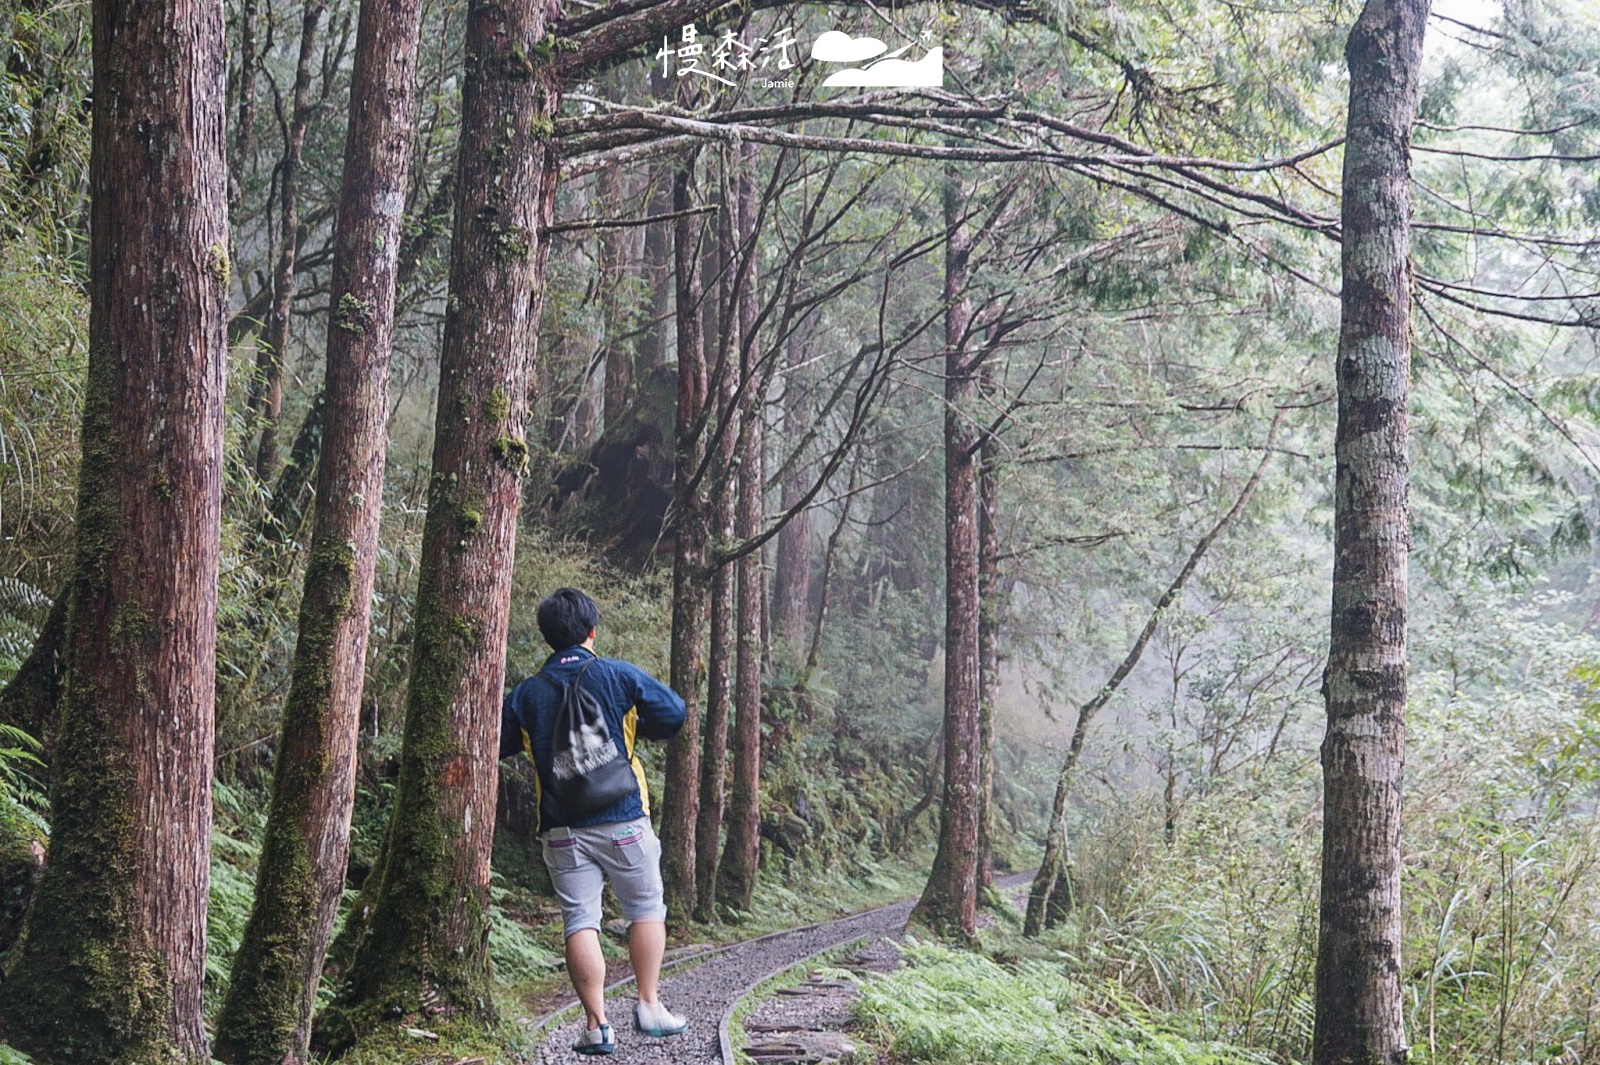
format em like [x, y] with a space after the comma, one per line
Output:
[958, 1007]
[1501, 879]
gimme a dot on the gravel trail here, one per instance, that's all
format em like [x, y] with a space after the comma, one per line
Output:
[706, 990]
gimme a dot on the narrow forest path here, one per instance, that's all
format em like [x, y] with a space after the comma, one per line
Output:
[706, 990]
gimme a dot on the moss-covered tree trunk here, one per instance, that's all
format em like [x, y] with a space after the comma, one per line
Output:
[1359, 1018]
[691, 549]
[266, 1014]
[738, 880]
[424, 951]
[949, 901]
[112, 957]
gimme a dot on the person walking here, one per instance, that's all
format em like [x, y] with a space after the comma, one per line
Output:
[617, 843]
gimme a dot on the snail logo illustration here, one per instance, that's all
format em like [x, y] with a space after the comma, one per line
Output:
[885, 71]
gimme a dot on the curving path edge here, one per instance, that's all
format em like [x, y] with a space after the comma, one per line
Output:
[707, 986]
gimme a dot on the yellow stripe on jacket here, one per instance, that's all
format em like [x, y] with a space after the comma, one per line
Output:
[630, 732]
[538, 786]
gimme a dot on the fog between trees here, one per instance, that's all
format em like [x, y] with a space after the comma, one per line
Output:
[981, 462]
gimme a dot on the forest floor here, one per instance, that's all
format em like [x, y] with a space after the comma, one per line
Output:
[707, 986]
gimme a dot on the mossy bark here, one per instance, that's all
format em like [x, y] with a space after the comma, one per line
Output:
[266, 1014]
[424, 948]
[112, 955]
[21, 857]
[1359, 1008]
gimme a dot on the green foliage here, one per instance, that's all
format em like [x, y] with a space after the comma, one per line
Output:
[956, 1007]
[518, 957]
[22, 611]
[42, 359]
[20, 797]
[239, 820]
[1502, 877]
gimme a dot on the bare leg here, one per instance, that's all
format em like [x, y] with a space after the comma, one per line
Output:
[586, 967]
[647, 944]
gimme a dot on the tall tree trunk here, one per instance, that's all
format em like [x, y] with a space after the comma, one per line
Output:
[1359, 1015]
[740, 860]
[658, 264]
[111, 959]
[691, 538]
[616, 298]
[791, 578]
[1050, 897]
[949, 901]
[992, 597]
[266, 395]
[266, 1015]
[720, 657]
[425, 943]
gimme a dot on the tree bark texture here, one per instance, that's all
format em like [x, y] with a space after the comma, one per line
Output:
[719, 702]
[949, 901]
[110, 965]
[724, 627]
[266, 1015]
[993, 594]
[425, 948]
[691, 540]
[1359, 1019]
[738, 882]
[266, 396]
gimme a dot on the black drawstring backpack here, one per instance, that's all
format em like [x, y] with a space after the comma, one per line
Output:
[588, 771]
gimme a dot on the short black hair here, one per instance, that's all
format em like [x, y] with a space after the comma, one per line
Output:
[566, 617]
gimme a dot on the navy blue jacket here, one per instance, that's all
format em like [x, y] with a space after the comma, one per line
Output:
[635, 704]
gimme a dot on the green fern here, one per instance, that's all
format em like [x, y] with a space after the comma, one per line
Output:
[952, 1006]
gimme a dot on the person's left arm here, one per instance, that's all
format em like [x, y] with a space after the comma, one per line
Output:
[661, 710]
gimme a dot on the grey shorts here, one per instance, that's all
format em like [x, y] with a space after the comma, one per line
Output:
[581, 860]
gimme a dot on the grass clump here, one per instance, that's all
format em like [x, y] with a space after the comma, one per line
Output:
[958, 1007]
